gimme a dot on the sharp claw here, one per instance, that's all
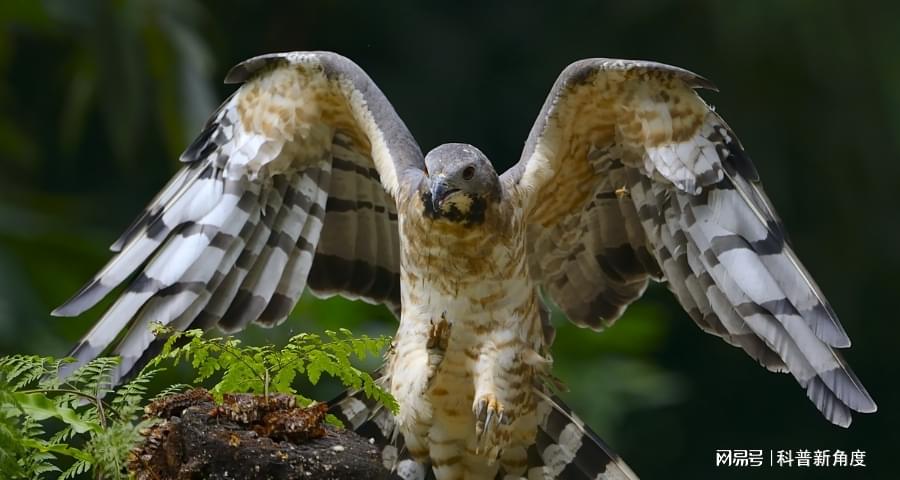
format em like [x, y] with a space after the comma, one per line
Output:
[480, 423]
[487, 420]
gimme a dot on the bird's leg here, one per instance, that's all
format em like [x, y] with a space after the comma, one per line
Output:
[409, 367]
[439, 334]
[438, 338]
[500, 376]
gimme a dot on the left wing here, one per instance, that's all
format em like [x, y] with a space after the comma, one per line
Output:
[628, 176]
[291, 183]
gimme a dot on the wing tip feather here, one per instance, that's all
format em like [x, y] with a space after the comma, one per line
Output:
[84, 299]
[825, 325]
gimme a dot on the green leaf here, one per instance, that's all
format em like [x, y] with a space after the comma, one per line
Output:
[60, 448]
[40, 407]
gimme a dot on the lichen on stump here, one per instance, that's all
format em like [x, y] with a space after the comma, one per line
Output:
[249, 436]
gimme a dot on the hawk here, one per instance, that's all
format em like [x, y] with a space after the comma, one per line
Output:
[307, 178]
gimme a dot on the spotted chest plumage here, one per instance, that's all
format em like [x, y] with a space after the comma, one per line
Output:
[465, 356]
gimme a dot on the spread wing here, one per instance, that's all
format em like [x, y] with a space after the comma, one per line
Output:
[291, 184]
[629, 176]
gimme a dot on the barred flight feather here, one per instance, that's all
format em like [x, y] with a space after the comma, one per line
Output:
[222, 297]
[232, 238]
[690, 211]
[361, 223]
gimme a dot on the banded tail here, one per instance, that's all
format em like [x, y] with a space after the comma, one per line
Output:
[565, 447]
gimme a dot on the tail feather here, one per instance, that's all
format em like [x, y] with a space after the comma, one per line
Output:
[370, 419]
[565, 447]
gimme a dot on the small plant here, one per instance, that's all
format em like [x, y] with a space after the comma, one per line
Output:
[95, 426]
[266, 369]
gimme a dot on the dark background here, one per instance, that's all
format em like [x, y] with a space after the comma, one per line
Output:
[97, 98]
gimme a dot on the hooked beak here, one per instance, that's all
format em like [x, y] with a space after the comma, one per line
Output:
[439, 192]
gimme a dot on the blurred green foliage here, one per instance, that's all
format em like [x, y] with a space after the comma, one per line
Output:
[98, 97]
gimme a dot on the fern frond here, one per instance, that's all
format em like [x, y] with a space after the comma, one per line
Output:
[77, 468]
[94, 376]
[128, 399]
[171, 390]
[105, 420]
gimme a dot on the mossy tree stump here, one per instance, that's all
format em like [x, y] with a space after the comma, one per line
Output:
[249, 436]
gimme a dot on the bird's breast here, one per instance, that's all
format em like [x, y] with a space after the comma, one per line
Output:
[447, 258]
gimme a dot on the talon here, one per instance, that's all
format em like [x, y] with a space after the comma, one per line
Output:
[489, 415]
[479, 419]
[479, 409]
[439, 334]
[436, 344]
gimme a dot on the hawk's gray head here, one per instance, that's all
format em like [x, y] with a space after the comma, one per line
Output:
[462, 184]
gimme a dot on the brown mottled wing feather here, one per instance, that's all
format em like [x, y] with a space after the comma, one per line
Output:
[291, 183]
[628, 176]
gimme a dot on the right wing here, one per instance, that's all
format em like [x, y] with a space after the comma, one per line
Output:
[292, 183]
[627, 176]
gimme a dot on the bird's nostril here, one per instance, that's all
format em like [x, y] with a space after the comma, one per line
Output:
[468, 173]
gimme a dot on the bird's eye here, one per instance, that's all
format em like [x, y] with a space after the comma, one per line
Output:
[468, 172]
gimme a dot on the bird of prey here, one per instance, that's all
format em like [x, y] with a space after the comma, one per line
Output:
[307, 178]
